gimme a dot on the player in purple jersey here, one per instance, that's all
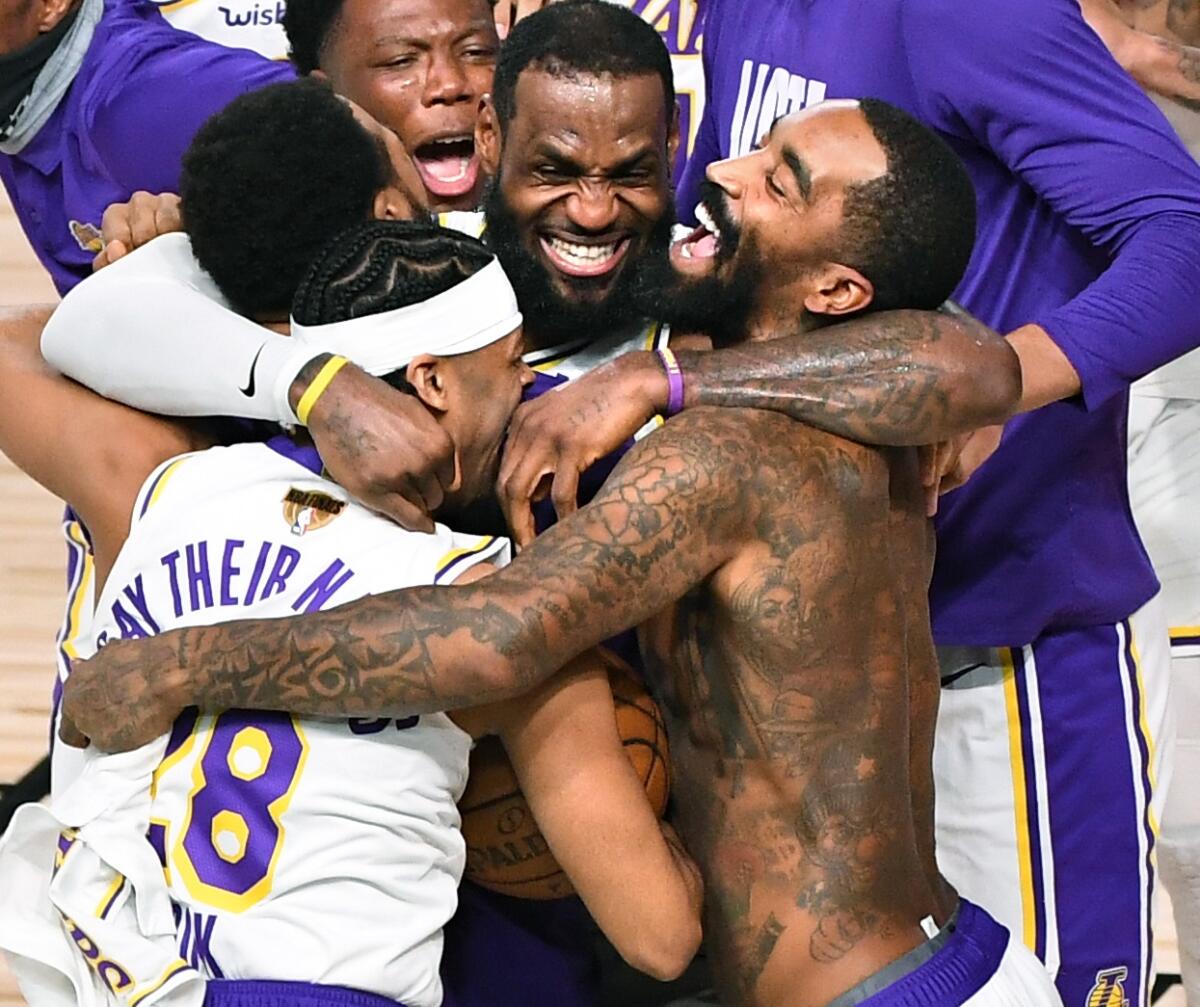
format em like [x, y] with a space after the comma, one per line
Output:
[106, 111]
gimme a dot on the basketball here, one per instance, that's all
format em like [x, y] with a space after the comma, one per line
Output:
[505, 849]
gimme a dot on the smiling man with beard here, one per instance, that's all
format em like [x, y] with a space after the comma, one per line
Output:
[579, 139]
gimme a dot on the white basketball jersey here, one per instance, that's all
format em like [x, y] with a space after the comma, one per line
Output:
[323, 851]
[239, 24]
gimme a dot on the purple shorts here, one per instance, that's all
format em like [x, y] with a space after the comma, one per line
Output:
[267, 993]
[945, 971]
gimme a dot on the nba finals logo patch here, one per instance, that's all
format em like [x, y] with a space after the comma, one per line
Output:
[305, 511]
[87, 236]
[1109, 990]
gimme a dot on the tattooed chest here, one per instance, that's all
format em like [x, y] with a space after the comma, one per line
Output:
[752, 677]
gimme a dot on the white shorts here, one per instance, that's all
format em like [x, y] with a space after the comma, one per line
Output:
[1164, 490]
[1051, 765]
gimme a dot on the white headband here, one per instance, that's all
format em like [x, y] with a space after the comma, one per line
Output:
[467, 317]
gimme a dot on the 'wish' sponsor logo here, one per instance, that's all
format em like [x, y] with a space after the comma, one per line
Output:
[766, 93]
[256, 16]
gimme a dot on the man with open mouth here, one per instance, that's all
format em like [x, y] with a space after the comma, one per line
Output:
[419, 68]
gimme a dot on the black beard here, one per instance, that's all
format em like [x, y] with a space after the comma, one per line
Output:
[551, 318]
[720, 305]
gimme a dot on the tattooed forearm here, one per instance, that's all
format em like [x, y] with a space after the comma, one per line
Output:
[667, 517]
[1183, 18]
[1189, 64]
[1172, 70]
[896, 378]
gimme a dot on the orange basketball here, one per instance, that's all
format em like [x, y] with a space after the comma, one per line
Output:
[505, 849]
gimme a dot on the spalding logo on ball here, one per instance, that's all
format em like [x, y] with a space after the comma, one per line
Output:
[505, 849]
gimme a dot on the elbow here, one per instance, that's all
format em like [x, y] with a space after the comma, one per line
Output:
[984, 386]
[998, 386]
[663, 953]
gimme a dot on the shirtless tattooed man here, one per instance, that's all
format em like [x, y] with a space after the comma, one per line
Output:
[778, 578]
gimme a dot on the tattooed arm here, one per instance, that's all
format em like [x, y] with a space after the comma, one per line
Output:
[1159, 64]
[1178, 20]
[893, 378]
[673, 512]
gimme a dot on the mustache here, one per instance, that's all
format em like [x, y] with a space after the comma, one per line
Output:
[716, 201]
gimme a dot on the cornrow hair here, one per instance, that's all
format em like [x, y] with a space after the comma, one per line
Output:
[382, 265]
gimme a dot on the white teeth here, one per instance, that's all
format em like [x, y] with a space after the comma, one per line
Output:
[583, 255]
[706, 220]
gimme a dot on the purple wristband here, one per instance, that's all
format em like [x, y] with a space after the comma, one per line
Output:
[674, 381]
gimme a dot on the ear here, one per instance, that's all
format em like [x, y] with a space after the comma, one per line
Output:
[427, 375]
[52, 12]
[391, 204]
[488, 140]
[839, 290]
[319, 74]
[673, 136]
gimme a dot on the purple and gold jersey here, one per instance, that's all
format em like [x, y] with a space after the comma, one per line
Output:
[312, 850]
[139, 97]
[1089, 226]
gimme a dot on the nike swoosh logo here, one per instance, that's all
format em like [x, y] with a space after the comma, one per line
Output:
[248, 391]
[954, 676]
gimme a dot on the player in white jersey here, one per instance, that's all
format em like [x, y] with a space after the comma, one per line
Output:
[327, 852]
[239, 24]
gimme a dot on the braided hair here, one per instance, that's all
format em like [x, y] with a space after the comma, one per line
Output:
[382, 265]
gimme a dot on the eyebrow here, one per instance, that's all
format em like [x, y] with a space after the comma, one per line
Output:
[474, 28]
[800, 171]
[544, 148]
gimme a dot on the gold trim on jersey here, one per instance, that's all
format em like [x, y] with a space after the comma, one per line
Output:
[77, 593]
[544, 361]
[478, 553]
[169, 973]
[160, 483]
[655, 336]
[104, 907]
[1020, 804]
[1143, 729]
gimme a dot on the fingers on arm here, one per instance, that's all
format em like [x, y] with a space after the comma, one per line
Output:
[521, 473]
